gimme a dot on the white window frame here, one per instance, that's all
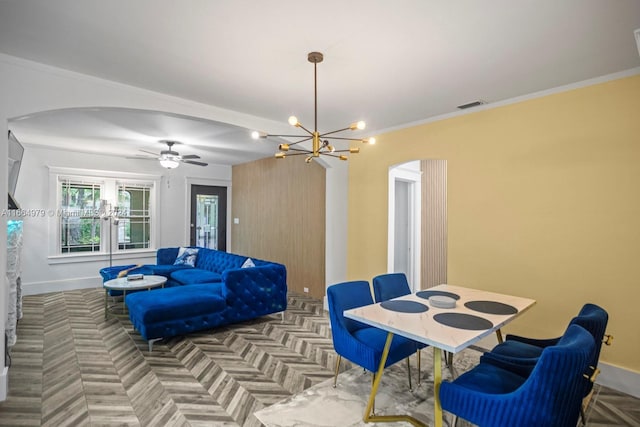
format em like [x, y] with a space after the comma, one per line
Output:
[109, 181]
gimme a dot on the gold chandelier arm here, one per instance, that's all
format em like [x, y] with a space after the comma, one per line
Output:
[299, 125]
[285, 136]
[348, 139]
[301, 150]
[334, 131]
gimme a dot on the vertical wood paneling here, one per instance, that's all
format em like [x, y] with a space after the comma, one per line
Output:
[434, 223]
[281, 208]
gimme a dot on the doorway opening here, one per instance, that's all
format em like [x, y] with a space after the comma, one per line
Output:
[417, 228]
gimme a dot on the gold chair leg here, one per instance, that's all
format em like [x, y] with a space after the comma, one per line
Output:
[373, 381]
[409, 373]
[335, 377]
[419, 371]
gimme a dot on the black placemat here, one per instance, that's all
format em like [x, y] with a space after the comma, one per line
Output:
[491, 307]
[427, 294]
[463, 321]
[404, 306]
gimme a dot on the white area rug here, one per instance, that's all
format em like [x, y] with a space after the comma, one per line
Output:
[325, 406]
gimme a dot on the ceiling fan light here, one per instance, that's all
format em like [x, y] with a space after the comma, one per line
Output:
[169, 163]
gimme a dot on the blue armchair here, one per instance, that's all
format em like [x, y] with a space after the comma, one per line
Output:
[355, 341]
[393, 285]
[520, 354]
[550, 396]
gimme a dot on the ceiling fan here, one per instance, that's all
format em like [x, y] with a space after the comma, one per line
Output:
[171, 159]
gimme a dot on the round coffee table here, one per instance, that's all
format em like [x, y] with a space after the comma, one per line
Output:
[124, 285]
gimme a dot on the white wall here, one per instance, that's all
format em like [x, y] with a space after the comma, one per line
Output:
[28, 87]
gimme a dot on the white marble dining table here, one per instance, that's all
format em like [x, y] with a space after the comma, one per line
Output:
[476, 314]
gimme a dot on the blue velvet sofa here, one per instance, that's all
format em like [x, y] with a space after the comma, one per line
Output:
[216, 291]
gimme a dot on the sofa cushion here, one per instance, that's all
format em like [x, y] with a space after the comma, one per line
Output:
[166, 270]
[189, 276]
[159, 305]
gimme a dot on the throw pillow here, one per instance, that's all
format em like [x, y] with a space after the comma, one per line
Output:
[186, 256]
[248, 263]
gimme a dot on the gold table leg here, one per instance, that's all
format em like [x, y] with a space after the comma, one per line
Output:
[437, 380]
[369, 416]
[499, 336]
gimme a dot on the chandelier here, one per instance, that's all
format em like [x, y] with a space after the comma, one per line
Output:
[320, 142]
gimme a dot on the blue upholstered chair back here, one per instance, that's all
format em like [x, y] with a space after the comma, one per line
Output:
[345, 296]
[594, 319]
[389, 286]
[550, 396]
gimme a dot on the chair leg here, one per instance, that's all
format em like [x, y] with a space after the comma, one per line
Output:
[419, 371]
[409, 373]
[335, 377]
[373, 380]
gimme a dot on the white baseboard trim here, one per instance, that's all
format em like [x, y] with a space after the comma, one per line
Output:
[35, 288]
[614, 377]
[4, 383]
[622, 380]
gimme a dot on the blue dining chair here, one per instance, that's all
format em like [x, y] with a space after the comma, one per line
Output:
[393, 285]
[520, 354]
[355, 341]
[550, 396]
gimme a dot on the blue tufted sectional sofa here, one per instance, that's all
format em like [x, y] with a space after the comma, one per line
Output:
[216, 291]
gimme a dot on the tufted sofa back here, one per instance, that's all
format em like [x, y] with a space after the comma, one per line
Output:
[207, 259]
[218, 261]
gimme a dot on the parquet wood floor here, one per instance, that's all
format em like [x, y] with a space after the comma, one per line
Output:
[71, 367]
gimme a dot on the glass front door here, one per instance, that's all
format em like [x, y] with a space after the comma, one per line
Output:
[209, 217]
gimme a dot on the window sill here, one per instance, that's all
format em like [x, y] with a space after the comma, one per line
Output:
[101, 256]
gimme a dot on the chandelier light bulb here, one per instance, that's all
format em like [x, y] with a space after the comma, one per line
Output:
[371, 141]
[361, 125]
[255, 134]
[293, 121]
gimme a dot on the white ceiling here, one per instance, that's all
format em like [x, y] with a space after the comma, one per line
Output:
[389, 63]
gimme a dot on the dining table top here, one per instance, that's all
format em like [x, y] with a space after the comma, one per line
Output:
[476, 314]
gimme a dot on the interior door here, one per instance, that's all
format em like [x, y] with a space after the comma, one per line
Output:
[209, 217]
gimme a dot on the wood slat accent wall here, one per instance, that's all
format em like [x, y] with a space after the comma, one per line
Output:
[434, 223]
[281, 208]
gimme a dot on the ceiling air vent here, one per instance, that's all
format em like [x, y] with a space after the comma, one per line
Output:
[471, 104]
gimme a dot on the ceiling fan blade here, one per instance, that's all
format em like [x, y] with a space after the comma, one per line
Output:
[141, 158]
[151, 152]
[190, 156]
[192, 162]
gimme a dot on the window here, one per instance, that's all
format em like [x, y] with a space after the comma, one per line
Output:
[134, 223]
[104, 214]
[80, 225]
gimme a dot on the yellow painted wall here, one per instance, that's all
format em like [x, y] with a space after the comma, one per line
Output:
[543, 202]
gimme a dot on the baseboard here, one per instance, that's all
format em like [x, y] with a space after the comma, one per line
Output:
[622, 380]
[35, 288]
[4, 383]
